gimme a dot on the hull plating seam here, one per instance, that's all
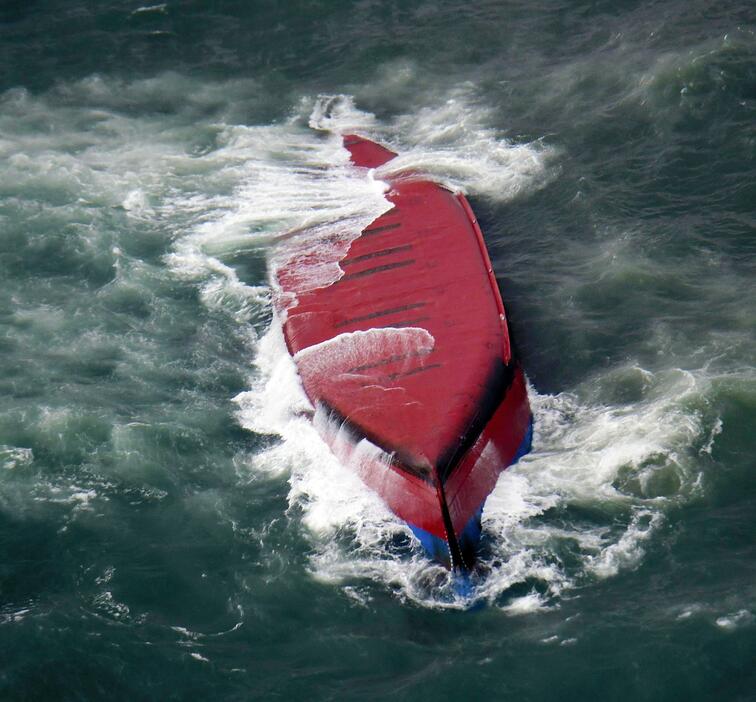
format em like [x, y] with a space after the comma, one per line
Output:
[377, 269]
[380, 313]
[375, 254]
[383, 228]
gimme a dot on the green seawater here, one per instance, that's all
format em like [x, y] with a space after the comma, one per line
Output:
[172, 528]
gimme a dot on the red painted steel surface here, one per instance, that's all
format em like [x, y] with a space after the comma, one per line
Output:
[475, 477]
[435, 385]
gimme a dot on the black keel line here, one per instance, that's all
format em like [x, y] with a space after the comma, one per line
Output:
[458, 563]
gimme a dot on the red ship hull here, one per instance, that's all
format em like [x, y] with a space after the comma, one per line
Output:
[407, 358]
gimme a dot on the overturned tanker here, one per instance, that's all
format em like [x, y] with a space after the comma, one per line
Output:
[407, 360]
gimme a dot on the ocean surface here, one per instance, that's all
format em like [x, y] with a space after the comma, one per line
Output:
[172, 527]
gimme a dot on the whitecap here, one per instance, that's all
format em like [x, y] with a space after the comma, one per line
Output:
[735, 620]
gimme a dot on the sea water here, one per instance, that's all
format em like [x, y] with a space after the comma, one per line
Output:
[171, 524]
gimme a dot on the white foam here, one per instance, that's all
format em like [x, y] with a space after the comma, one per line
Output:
[295, 196]
[627, 552]
[13, 457]
[338, 114]
[597, 458]
[162, 8]
[716, 430]
[136, 203]
[528, 604]
[736, 620]
[450, 139]
[276, 397]
[453, 141]
[106, 604]
[687, 611]
[12, 617]
[349, 350]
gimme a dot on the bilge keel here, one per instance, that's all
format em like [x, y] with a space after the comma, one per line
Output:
[407, 360]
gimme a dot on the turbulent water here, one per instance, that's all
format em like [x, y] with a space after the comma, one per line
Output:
[172, 527]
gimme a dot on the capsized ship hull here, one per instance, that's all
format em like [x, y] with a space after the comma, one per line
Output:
[406, 357]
